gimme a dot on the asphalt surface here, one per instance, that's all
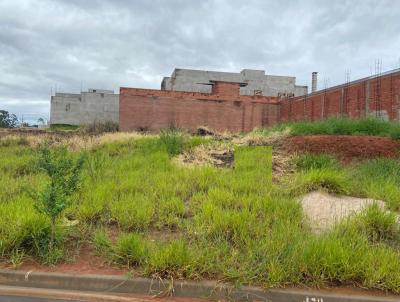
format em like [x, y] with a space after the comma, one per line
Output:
[30, 294]
[8, 298]
[27, 294]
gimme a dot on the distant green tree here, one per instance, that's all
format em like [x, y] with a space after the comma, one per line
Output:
[64, 172]
[41, 121]
[8, 120]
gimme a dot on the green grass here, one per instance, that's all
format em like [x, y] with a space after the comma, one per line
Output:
[340, 126]
[63, 127]
[138, 209]
[379, 179]
[315, 161]
[131, 249]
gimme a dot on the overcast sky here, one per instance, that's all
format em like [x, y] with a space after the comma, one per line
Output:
[73, 44]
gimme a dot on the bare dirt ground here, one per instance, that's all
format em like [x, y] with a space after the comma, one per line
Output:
[323, 210]
[345, 147]
[84, 262]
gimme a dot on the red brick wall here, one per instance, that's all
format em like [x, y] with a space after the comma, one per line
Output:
[226, 89]
[357, 99]
[226, 109]
[155, 109]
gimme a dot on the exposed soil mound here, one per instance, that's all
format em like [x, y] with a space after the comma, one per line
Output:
[345, 147]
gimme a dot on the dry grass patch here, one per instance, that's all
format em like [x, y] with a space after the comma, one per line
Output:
[215, 154]
[74, 142]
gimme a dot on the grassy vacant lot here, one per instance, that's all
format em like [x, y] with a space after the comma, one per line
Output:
[137, 208]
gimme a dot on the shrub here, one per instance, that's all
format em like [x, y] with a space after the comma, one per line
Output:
[173, 141]
[331, 181]
[395, 132]
[131, 249]
[168, 259]
[64, 176]
[380, 168]
[170, 211]
[315, 161]
[379, 179]
[102, 243]
[378, 225]
[133, 213]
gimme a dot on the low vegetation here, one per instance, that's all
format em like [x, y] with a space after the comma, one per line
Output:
[138, 209]
[340, 126]
[63, 127]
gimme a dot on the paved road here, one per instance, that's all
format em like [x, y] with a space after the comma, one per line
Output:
[25, 294]
[32, 299]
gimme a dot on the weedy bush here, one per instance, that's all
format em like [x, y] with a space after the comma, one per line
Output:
[395, 131]
[63, 171]
[378, 225]
[16, 258]
[133, 212]
[379, 179]
[329, 180]
[170, 212]
[168, 259]
[315, 161]
[131, 249]
[102, 243]
[173, 141]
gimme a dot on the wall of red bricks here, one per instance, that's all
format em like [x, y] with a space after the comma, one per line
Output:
[147, 109]
[375, 96]
[226, 109]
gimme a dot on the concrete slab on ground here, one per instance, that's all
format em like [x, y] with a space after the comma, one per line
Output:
[324, 210]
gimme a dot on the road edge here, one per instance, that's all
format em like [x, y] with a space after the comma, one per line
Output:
[162, 287]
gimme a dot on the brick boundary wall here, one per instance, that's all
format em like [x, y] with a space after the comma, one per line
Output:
[373, 96]
[225, 109]
[147, 109]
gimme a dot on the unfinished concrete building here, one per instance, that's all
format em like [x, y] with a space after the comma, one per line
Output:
[93, 106]
[258, 83]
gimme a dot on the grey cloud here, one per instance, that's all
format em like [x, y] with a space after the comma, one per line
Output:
[113, 43]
